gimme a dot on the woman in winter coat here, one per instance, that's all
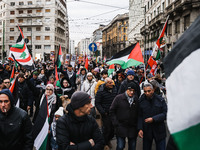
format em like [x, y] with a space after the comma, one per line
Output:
[66, 88]
[80, 79]
[89, 87]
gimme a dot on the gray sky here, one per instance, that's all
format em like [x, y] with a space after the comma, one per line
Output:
[86, 15]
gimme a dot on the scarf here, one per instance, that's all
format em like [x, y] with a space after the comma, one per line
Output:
[130, 99]
[50, 99]
[66, 90]
[70, 74]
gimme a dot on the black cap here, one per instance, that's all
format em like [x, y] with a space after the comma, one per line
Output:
[131, 85]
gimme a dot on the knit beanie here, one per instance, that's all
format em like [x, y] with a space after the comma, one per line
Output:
[9, 94]
[130, 72]
[79, 99]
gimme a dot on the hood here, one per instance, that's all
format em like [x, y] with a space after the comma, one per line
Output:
[9, 94]
[61, 82]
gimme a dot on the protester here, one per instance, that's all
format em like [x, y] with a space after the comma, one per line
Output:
[152, 114]
[80, 79]
[15, 125]
[130, 78]
[77, 130]
[104, 75]
[103, 100]
[6, 83]
[124, 115]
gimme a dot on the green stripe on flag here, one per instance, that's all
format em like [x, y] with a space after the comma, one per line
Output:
[188, 139]
[20, 46]
[120, 62]
[110, 71]
[44, 144]
[58, 83]
[131, 62]
[158, 55]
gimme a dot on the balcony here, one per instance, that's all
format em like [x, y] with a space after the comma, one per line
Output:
[61, 19]
[37, 15]
[33, 24]
[61, 27]
[36, 6]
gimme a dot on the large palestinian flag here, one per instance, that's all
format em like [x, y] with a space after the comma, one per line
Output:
[41, 126]
[19, 52]
[130, 56]
[182, 67]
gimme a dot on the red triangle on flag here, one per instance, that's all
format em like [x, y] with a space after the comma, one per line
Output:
[136, 54]
[86, 63]
[112, 66]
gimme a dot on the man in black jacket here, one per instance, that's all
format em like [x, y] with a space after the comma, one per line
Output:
[77, 130]
[152, 114]
[130, 78]
[124, 115]
[15, 125]
[103, 100]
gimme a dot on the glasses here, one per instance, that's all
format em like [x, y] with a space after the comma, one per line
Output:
[49, 89]
[6, 101]
[65, 82]
[6, 82]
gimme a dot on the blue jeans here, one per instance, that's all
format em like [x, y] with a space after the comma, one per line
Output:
[160, 145]
[121, 143]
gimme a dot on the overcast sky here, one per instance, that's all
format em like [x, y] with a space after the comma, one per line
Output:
[86, 15]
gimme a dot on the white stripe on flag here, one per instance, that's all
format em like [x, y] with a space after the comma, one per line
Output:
[42, 135]
[183, 94]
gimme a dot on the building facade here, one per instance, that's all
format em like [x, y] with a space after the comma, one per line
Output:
[43, 22]
[83, 47]
[115, 37]
[182, 14]
[72, 47]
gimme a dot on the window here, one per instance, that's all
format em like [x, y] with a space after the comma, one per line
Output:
[169, 29]
[38, 46]
[11, 37]
[21, 3]
[48, 0]
[163, 6]
[21, 11]
[177, 26]
[12, 29]
[47, 37]
[29, 38]
[12, 12]
[38, 20]
[29, 29]
[47, 10]
[12, 3]
[47, 28]
[12, 20]
[47, 46]
[154, 13]
[158, 10]
[38, 28]
[29, 11]
[30, 3]
[20, 20]
[38, 10]
[186, 22]
[38, 38]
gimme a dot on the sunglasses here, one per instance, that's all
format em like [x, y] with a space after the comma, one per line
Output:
[49, 89]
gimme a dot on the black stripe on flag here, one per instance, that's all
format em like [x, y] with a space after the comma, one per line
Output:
[185, 45]
[124, 52]
[19, 38]
[41, 118]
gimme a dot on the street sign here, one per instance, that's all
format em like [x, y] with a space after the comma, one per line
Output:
[92, 47]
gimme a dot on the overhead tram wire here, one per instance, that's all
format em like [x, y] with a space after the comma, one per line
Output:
[98, 4]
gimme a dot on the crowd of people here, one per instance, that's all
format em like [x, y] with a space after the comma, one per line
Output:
[127, 105]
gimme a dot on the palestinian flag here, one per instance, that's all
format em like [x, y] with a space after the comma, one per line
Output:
[59, 58]
[41, 126]
[130, 56]
[57, 79]
[182, 67]
[111, 69]
[19, 52]
[12, 74]
[104, 59]
[14, 90]
[86, 63]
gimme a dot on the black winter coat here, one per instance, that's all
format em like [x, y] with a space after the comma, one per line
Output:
[124, 87]
[104, 99]
[15, 130]
[78, 130]
[157, 109]
[124, 116]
